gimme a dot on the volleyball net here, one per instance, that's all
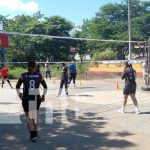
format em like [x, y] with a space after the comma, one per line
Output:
[87, 68]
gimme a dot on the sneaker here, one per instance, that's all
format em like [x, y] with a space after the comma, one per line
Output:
[34, 139]
[121, 111]
[67, 94]
[137, 111]
[58, 95]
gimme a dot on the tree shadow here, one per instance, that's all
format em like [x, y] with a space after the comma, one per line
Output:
[82, 133]
[145, 113]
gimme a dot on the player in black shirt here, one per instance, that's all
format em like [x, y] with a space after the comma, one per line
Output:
[38, 68]
[129, 75]
[31, 98]
[64, 79]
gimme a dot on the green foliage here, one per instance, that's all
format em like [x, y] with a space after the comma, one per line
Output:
[108, 54]
[82, 67]
[16, 72]
[24, 48]
[111, 22]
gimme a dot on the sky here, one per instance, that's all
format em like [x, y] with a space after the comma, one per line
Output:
[73, 10]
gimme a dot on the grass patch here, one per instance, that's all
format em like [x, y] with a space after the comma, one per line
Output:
[15, 73]
[82, 69]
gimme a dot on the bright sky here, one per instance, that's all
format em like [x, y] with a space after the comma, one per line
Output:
[73, 10]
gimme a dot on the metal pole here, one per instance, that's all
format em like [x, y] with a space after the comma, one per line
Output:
[1, 25]
[145, 49]
[129, 30]
[148, 59]
[2, 50]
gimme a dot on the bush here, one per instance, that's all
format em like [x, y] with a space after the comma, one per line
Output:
[108, 54]
[15, 73]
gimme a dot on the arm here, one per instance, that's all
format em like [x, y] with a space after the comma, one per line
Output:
[45, 89]
[143, 65]
[18, 85]
[123, 75]
[69, 71]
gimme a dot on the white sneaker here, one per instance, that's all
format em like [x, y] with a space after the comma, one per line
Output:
[58, 95]
[137, 111]
[34, 139]
[121, 111]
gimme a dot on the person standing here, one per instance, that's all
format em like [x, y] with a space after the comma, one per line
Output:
[72, 73]
[0, 72]
[38, 68]
[5, 76]
[47, 70]
[146, 68]
[64, 79]
[129, 75]
[31, 98]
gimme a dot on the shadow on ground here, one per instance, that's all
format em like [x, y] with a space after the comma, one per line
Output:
[82, 133]
[145, 113]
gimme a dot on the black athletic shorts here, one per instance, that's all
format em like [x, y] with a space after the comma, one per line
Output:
[34, 104]
[129, 88]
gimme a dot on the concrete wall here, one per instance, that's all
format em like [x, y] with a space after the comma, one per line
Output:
[108, 68]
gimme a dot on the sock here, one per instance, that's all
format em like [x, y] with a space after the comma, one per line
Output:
[136, 108]
[123, 107]
[32, 134]
[35, 133]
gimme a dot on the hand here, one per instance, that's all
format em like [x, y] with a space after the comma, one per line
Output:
[21, 95]
[42, 98]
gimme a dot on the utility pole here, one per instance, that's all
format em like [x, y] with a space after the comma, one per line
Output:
[129, 30]
[2, 50]
[149, 50]
[1, 25]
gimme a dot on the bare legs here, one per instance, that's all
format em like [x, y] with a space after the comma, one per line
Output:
[134, 102]
[32, 123]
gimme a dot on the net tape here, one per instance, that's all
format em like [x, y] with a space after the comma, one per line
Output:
[69, 38]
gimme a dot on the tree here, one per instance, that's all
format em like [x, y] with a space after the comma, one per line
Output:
[39, 48]
[111, 22]
[108, 54]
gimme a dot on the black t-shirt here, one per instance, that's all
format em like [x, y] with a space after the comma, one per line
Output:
[129, 75]
[64, 74]
[31, 83]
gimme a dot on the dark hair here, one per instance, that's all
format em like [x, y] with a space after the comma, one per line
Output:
[38, 66]
[127, 63]
[63, 64]
[32, 64]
